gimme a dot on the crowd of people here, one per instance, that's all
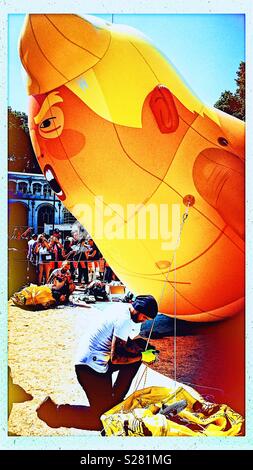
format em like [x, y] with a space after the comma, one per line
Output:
[84, 260]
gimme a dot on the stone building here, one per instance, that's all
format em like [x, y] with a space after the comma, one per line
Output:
[32, 203]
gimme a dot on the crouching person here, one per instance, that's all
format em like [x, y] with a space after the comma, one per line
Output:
[106, 347]
[61, 283]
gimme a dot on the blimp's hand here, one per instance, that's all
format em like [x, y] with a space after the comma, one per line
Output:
[219, 178]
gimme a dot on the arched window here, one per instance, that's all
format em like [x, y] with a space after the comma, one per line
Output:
[36, 188]
[45, 216]
[46, 190]
[23, 187]
[12, 186]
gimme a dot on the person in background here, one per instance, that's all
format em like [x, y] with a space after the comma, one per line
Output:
[107, 346]
[81, 258]
[57, 234]
[93, 256]
[61, 282]
[43, 250]
[56, 248]
[93, 253]
[31, 249]
[68, 254]
[101, 264]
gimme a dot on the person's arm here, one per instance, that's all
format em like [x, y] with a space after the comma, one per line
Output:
[93, 254]
[59, 244]
[48, 246]
[124, 352]
[67, 255]
[37, 248]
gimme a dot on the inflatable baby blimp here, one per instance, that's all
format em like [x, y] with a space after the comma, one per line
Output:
[155, 176]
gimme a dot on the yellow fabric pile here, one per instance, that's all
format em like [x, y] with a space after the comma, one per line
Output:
[34, 295]
[139, 415]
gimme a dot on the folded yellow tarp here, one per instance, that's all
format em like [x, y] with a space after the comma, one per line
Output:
[140, 415]
[34, 295]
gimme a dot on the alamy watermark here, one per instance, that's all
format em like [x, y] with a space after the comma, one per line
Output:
[132, 221]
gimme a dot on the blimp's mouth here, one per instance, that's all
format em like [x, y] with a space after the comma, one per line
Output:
[53, 182]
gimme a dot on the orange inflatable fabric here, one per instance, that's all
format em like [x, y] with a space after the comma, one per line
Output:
[118, 133]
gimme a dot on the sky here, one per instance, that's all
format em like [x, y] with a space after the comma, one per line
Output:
[206, 49]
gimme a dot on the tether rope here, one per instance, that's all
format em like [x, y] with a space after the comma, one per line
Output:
[173, 262]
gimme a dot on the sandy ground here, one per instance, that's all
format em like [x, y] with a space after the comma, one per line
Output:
[41, 355]
[41, 352]
[42, 349]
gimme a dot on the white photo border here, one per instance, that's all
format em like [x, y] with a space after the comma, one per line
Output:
[120, 7]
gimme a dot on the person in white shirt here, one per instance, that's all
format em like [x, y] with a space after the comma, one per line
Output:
[31, 245]
[42, 250]
[107, 346]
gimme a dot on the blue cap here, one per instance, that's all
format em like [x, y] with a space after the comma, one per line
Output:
[146, 304]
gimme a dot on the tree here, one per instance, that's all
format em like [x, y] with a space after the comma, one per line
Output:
[234, 103]
[240, 91]
[21, 156]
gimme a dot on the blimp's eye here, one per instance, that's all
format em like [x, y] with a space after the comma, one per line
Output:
[222, 141]
[52, 124]
[47, 122]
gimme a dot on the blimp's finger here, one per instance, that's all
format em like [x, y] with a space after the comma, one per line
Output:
[219, 178]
